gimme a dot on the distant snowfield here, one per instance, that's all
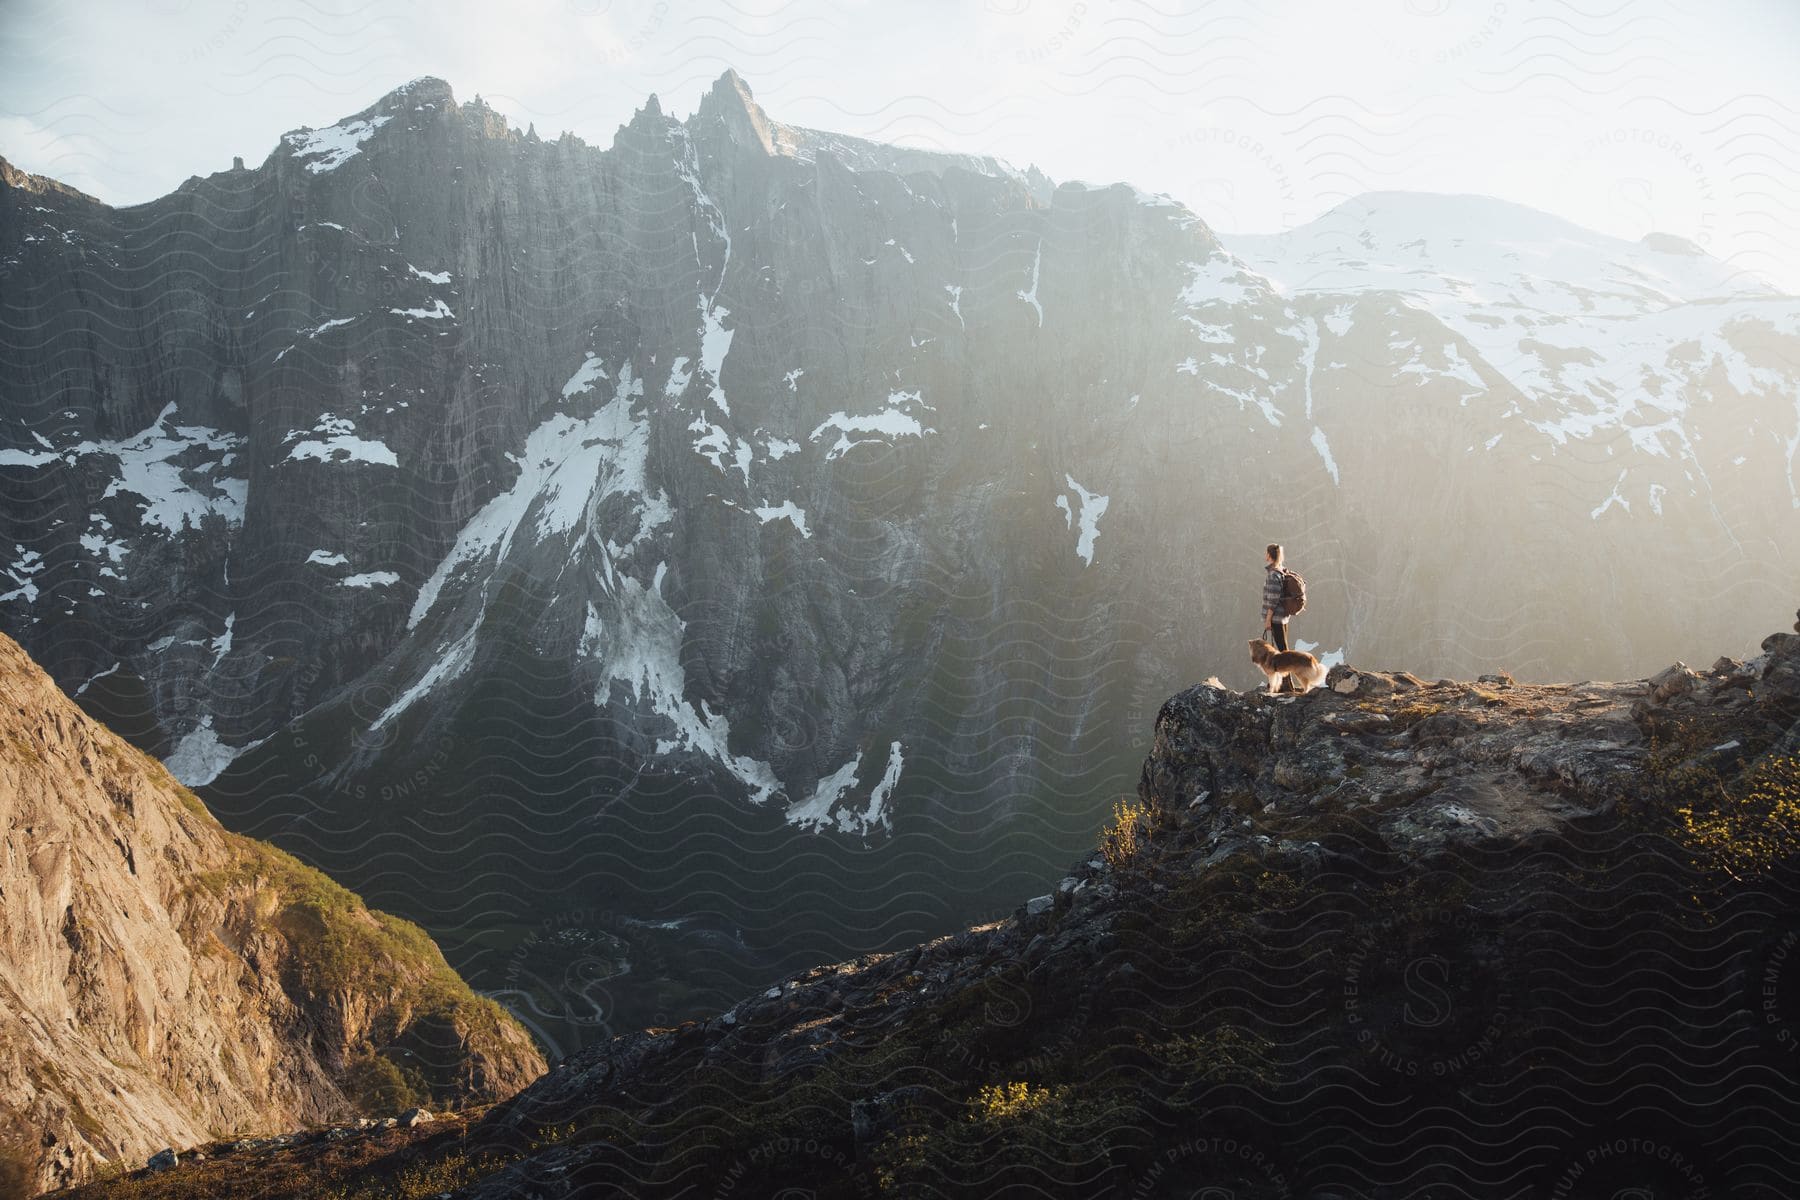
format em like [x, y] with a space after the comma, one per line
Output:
[1220, 280]
[1480, 251]
[1601, 334]
[147, 470]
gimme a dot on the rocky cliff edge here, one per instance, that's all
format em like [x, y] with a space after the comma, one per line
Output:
[1392, 938]
[165, 983]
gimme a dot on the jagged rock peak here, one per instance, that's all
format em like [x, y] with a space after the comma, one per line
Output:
[16, 177]
[418, 93]
[325, 148]
[651, 111]
[731, 101]
[648, 122]
[424, 89]
[730, 87]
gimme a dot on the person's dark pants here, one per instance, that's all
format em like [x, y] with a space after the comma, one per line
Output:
[1278, 634]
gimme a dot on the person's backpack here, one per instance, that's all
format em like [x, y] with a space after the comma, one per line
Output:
[1293, 593]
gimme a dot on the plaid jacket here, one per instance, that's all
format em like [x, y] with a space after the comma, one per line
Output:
[1272, 594]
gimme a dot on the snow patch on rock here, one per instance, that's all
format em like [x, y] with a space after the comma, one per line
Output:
[888, 423]
[1323, 446]
[20, 571]
[1616, 497]
[369, 579]
[334, 439]
[787, 511]
[333, 146]
[815, 811]
[569, 464]
[590, 372]
[1084, 512]
[1327, 658]
[437, 312]
[639, 652]
[1030, 295]
[200, 757]
[171, 495]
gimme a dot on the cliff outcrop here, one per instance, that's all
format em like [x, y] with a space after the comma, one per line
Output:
[164, 982]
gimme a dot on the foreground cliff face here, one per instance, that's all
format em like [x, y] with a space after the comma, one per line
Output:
[1393, 938]
[164, 982]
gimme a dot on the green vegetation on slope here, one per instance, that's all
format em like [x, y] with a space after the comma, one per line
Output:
[339, 949]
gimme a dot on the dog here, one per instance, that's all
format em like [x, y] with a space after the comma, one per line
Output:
[1306, 671]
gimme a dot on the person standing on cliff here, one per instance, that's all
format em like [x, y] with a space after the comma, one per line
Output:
[1284, 594]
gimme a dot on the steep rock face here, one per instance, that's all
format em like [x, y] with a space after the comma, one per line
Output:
[1392, 938]
[458, 505]
[164, 982]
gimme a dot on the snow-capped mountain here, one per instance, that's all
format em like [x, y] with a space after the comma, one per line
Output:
[779, 541]
[1599, 336]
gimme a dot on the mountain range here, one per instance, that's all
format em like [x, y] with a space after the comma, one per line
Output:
[659, 567]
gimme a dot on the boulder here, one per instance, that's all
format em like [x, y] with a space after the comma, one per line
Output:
[1670, 682]
[415, 1116]
[1368, 683]
[1778, 690]
[163, 1160]
[1781, 645]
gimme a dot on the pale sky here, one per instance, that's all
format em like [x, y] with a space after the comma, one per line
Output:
[1623, 115]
